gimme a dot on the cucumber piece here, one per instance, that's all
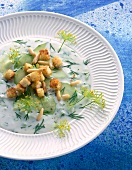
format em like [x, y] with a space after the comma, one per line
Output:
[67, 89]
[19, 75]
[24, 58]
[47, 81]
[58, 73]
[49, 105]
[39, 47]
[5, 65]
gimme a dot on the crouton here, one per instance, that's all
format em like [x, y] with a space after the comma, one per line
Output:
[9, 74]
[55, 84]
[57, 62]
[40, 92]
[44, 55]
[25, 82]
[19, 89]
[11, 92]
[36, 84]
[42, 78]
[46, 71]
[27, 66]
[35, 76]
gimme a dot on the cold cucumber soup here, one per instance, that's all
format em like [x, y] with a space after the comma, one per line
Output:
[44, 84]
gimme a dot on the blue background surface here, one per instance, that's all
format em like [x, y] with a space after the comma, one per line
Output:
[112, 150]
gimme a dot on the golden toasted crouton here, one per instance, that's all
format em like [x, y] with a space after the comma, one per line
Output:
[55, 84]
[44, 55]
[42, 78]
[46, 71]
[40, 92]
[9, 74]
[25, 82]
[36, 84]
[57, 62]
[27, 66]
[11, 92]
[19, 89]
[35, 76]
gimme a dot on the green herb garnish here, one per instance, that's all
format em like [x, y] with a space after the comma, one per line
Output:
[20, 42]
[26, 104]
[51, 47]
[73, 99]
[39, 126]
[70, 64]
[24, 126]
[66, 36]
[18, 115]
[86, 62]
[26, 116]
[14, 55]
[94, 97]
[73, 72]
[75, 116]
[62, 127]
[62, 91]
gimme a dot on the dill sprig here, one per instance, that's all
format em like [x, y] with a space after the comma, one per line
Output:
[66, 36]
[86, 62]
[73, 99]
[62, 90]
[26, 104]
[39, 126]
[26, 116]
[51, 47]
[73, 72]
[94, 97]
[20, 42]
[62, 127]
[14, 55]
[18, 115]
[70, 64]
[75, 116]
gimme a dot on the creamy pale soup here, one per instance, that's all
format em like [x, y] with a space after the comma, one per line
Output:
[13, 114]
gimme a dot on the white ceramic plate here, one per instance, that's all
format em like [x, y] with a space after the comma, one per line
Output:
[106, 75]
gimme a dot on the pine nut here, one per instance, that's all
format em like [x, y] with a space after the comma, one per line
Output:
[51, 66]
[32, 70]
[35, 59]
[40, 114]
[31, 52]
[43, 62]
[74, 83]
[58, 95]
[65, 96]
[44, 87]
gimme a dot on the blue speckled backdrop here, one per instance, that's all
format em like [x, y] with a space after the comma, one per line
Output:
[112, 150]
